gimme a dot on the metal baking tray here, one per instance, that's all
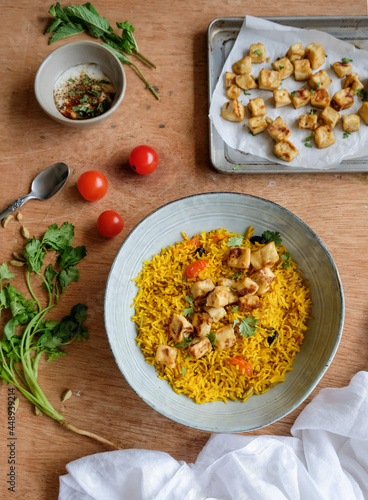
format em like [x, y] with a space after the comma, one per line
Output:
[222, 33]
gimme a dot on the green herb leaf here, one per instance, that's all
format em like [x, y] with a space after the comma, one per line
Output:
[212, 338]
[235, 241]
[272, 236]
[237, 167]
[281, 67]
[236, 275]
[95, 24]
[5, 274]
[313, 112]
[67, 276]
[346, 60]
[64, 31]
[251, 133]
[248, 326]
[246, 93]
[293, 93]
[346, 135]
[59, 239]
[258, 52]
[185, 343]
[235, 308]
[71, 256]
[190, 310]
[307, 144]
[286, 258]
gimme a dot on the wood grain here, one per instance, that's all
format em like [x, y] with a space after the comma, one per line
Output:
[173, 35]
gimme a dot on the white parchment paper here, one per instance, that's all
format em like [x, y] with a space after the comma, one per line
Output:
[277, 40]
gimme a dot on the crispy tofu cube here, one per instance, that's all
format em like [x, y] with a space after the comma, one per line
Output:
[229, 79]
[341, 68]
[257, 124]
[315, 53]
[233, 92]
[239, 257]
[242, 66]
[233, 111]
[266, 256]
[248, 302]
[202, 288]
[202, 323]
[363, 112]
[269, 79]
[263, 277]
[257, 53]
[285, 150]
[352, 81]
[320, 98]
[295, 52]
[330, 117]
[300, 97]
[350, 123]
[343, 99]
[226, 282]
[216, 313]
[308, 122]
[180, 328]
[221, 296]
[320, 80]
[281, 98]
[324, 137]
[257, 107]
[246, 82]
[225, 337]
[278, 129]
[200, 347]
[302, 70]
[166, 355]
[284, 66]
[246, 286]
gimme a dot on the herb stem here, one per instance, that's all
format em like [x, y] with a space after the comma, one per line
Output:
[90, 434]
[148, 85]
[147, 61]
[31, 291]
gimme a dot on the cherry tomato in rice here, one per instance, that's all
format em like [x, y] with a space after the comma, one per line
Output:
[110, 223]
[143, 160]
[92, 185]
[195, 267]
[243, 365]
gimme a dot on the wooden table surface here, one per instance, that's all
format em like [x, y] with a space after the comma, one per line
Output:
[174, 36]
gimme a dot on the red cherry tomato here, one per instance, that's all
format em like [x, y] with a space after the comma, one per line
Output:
[92, 185]
[244, 366]
[143, 160]
[195, 267]
[110, 223]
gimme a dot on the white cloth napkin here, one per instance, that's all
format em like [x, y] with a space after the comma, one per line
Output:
[277, 39]
[326, 459]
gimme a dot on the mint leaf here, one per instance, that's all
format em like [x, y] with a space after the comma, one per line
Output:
[64, 31]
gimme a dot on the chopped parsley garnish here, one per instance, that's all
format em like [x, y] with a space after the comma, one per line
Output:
[311, 91]
[313, 112]
[235, 241]
[361, 93]
[248, 326]
[293, 93]
[251, 132]
[247, 93]
[346, 135]
[183, 371]
[318, 85]
[308, 139]
[346, 60]
[281, 67]
[235, 308]
[272, 236]
[237, 167]
[86, 79]
[83, 99]
[236, 275]
[286, 258]
[190, 310]
[258, 52]
[71, 80]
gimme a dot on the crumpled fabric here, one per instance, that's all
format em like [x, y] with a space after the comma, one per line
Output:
[325, 459]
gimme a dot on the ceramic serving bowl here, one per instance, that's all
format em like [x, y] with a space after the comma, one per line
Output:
[67, 57]
[235, 212]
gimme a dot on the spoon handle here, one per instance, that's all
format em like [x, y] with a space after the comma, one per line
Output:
[14, 205]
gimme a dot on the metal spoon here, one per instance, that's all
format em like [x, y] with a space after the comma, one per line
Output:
[44, 186]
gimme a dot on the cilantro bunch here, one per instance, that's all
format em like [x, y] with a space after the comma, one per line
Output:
[74, 19]
[28, 333]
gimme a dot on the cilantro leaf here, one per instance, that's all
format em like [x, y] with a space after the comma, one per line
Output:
[67, 276]
[236, 275]
[258, 52]
[34, 255]
[185, 343]
[272, 236]
[71, 256]
[59, 238]
[190, 310]
[286, 258]
[235, 241]
[5, 274]
[248, 326]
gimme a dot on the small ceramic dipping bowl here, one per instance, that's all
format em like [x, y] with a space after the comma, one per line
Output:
[73, 60]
